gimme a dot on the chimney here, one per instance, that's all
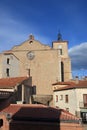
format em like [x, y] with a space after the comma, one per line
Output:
[85, 78]
[28, 74]
[76, 79]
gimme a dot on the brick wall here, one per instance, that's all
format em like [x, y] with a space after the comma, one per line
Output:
[32, 125]
[70, 126]
[44, 126]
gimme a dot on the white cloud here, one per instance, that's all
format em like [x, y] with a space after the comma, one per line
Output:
[78, 56]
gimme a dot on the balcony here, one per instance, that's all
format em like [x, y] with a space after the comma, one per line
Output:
[83, 104]
[5, 95]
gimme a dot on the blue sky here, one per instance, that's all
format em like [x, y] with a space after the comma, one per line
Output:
[44, 18]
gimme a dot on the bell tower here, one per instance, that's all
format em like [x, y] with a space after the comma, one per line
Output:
[64, 62]
[61, 45]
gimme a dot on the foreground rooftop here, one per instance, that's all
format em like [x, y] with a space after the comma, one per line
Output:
[37, 112]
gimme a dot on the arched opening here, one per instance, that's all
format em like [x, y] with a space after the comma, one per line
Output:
[62, 72]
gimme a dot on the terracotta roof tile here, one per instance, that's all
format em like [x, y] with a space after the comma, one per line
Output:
[11, 82]
[71, 85]
[82, 83]
[64, 83]
[38, 112]
[8, 52]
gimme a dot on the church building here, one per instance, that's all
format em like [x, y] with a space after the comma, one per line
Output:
[45, 64]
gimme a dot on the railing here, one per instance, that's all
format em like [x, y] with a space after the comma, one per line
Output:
[82, 105]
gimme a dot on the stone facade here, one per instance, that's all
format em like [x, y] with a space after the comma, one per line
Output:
[44, 63]
[9, 65]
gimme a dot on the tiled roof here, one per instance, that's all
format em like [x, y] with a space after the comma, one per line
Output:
[71, 85]
[11, 82]
[7, 52]
[82, 83]
[38, 112]
[64, 83]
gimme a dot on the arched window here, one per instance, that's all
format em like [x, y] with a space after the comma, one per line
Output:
[56, 98]
[62, 72]
[7, 72]
[8, 60]
[60, 49]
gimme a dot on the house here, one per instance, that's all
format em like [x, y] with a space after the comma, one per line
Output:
[37, 117]
[45, 64]
[15, 90]
[9, 65]
[72, 96]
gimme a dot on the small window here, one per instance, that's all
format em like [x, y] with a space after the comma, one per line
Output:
[1, 122]
[56, 98]
[67, 109]
[60, 52]
[33, 90]
[7, 72]
[85, 100]
[8, 60]
[61, 97]
[66, 99]
[31, 42]
[60, 49]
